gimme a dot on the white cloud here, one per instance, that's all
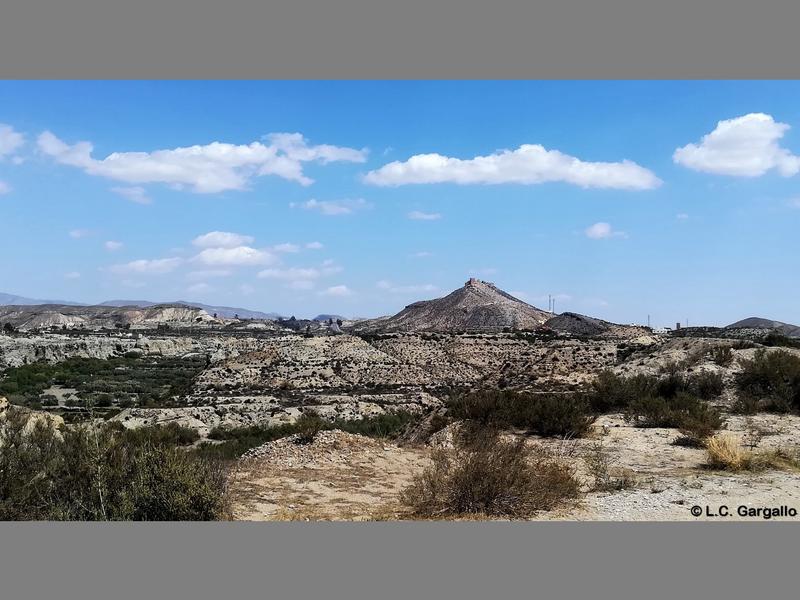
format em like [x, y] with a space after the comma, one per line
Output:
[112, 245]
[602, 231]
[528, 164]
[239, 256]
[388, 286]
[314, 246]
[207, 274]
[210, 168]
[222, 239]
[682, 216]
[418, 215]
[77, 234]
[4, 188]
[157, 266]
[333, 207]
[72, 275]
[794, 203]
[422, 254]
[10, 140]
[286, 248]
[337, 291]
[199, 287]
[134, 194]
[746, 146]
[292, 273]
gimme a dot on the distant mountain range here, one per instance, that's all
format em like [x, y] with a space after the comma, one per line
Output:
[222, 311]
[761, 323]
[11, 299]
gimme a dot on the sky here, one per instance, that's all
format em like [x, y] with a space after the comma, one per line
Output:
[622, 200]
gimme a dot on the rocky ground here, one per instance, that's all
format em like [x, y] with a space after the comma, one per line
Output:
[341, 476]
[269, 378]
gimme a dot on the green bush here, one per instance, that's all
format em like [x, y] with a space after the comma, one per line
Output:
[611, 392]
[485, 474]
[103, 472]
[696, 418]
[235, 441]
[722, 355]
[770, 381]
[706, 385]
[545, 414]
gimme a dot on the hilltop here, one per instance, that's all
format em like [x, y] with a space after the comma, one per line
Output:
[478, 305]
[761, 323]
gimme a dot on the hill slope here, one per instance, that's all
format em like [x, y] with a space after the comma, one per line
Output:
[581, 325]
[43, 316]
[478, 305]
[761, 323]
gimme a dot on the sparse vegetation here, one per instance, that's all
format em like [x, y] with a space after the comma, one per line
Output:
[606, 475]
[612, 392]
[552, 415]
[769, 382]
[725, 452]
[238, 440]
[488, 475]
[104, 472]
[153, 381]
[722, 356]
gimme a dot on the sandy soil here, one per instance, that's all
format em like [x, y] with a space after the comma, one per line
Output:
[364, 482]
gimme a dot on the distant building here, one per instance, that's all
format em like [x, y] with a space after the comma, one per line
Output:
[662, 330]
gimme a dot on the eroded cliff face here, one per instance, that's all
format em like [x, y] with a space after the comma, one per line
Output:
[45, 316]
[20, 350]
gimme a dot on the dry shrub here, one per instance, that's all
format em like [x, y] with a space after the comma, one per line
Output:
[722, 356]
[487, 474]
[724, 451]
[606, 475]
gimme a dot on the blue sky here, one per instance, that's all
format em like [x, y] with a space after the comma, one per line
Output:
[675, 199]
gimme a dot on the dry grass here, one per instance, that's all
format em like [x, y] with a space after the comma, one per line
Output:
[725, 452]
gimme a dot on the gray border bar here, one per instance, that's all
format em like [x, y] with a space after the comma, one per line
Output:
[453, 39]
[399, 560]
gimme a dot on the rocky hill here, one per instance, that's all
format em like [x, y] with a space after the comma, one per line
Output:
[478, 305]
[761, 323]
[581, 325]
[45, 316]
[227, 312]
